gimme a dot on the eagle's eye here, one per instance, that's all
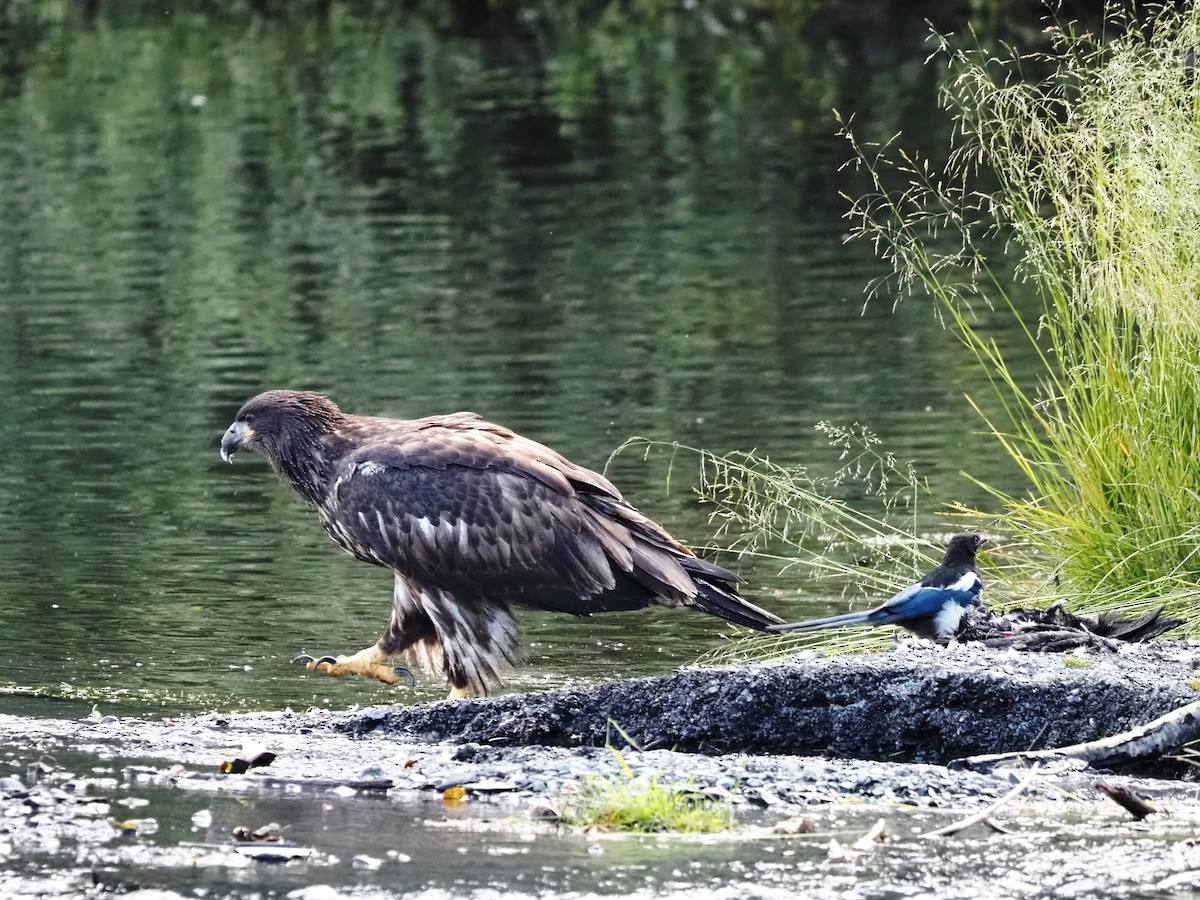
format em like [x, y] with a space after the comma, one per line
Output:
[247, 418]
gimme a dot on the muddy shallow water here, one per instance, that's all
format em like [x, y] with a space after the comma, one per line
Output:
[95, 805]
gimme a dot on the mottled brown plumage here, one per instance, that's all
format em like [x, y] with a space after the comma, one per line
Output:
[472, 518]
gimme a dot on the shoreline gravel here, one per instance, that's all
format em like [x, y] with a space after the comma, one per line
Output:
[106, 800]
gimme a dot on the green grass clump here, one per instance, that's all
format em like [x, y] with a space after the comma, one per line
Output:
[1098, 166]
[645, 806]
[627, 802]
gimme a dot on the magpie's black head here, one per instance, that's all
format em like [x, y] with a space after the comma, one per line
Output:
[961, 549]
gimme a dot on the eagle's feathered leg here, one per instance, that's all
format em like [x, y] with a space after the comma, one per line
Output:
[470, 642]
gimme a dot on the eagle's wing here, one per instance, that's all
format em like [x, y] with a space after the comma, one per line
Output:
[475, 513]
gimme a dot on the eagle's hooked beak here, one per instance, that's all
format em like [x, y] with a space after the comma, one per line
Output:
[235, 436]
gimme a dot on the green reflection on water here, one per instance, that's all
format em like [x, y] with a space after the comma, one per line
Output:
[582, 231]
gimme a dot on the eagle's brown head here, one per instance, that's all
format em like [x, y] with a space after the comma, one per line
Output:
[274, 422]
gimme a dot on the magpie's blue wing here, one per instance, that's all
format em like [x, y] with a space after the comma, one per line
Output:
[920, 600]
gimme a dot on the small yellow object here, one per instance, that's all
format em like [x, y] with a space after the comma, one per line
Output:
[454, 795]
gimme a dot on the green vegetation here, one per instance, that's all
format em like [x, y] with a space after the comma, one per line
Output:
[628, 802]
[1093, 173]
[1098, 167]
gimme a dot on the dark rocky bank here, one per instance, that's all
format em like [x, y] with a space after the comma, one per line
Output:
[918, 703]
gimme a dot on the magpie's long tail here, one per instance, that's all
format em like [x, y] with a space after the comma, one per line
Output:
[854, 618]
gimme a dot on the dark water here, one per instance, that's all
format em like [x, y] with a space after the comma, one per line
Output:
[584, 230]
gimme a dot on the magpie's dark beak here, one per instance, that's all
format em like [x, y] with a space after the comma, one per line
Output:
[235, 437]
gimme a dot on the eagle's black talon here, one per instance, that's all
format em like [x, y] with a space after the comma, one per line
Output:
[312, 662]
[406, 674]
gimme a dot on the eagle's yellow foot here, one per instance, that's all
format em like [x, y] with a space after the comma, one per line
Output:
[369, 662]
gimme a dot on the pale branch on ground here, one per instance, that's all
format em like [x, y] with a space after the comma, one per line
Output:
[1157, 739]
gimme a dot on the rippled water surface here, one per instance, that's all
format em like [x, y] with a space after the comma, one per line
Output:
[586, 232]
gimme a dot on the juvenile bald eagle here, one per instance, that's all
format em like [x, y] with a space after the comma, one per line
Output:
[472, 519]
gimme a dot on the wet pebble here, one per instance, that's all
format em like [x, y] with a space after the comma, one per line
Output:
[316, 892]
[489, 787]
[466, 753]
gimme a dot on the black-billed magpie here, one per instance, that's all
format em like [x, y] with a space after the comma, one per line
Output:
[932, 608]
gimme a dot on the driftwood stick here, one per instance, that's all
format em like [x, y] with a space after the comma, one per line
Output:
[983, 814]
[1126, 798]
[202, 781]
[1159, 738]
[875, 836]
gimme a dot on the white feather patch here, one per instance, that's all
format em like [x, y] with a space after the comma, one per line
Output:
[948, 618]
[969, 583]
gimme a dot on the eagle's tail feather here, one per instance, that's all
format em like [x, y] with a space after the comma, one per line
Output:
[723, 600]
